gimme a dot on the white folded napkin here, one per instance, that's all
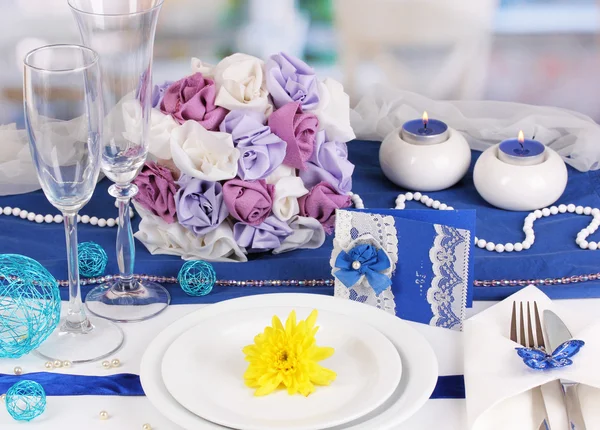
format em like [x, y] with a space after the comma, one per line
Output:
[502, 391]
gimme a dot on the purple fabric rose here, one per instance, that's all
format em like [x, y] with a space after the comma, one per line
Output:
[298, 130]
[193, 98]
[329, 163]
[157, 191]
[158, 93]
[261, 151]
[200, 205]
[290, 79]
[249, 202]
[321, 203]
[263, 237]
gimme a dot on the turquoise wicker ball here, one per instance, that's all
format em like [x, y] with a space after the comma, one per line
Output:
[197, 278]
[92, 259]
[29, 305]
[26, 400]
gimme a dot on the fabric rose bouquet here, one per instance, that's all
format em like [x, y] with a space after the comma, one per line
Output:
[245, 156]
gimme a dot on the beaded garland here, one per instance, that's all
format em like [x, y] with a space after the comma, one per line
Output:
[49, 218]
[26, 400]
[527, 224]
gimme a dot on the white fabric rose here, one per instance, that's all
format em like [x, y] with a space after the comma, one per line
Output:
[307, 233]
[285, 201]
[281, 172]
[174, 239]
[203, 154]
[333, 111]
[159, 136]
[240, 81]
[199, 66]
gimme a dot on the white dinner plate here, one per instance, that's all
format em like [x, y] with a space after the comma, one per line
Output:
[419, 365]
[203, 370]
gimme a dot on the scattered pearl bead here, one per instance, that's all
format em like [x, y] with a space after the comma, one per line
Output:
[409, 196]
[518, 247]
[553, 210]
[67, 364]
[116, 362]
[16, 211]
[579, 210]
[49, 219]
[57, 363]
[106, 364]
[571, 208]
[58, 219]
[587, 210]
[39, 218]
[584, 244]
[146, 427]
[436, 204]
[429, 203]
[101, 222]
[417, 196]
[7, 210]
[546, 212]
[509, 247]
[449, 208]
[593, 246]
[94, 220]
[110, 222]
[481, 243]
[400, 198]
[562, 208]
[30, 216]
[595, 211]
[23, 214]
[424, 198]
[499, 248]
[103, 415]
[18, 370]
[49, 365]
[85, 219]
[537, 213]
[526, 244]
[490, 246]
[443, 206]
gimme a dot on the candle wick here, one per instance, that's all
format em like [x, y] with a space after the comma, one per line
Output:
[425, 124]
[522, 146]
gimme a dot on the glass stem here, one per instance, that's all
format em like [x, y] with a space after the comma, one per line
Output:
[125, 242]
[76, 320]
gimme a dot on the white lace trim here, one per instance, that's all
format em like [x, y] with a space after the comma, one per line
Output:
[449, 258]
[353, 228]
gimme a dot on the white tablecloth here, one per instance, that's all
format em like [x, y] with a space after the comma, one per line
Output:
[130, 413]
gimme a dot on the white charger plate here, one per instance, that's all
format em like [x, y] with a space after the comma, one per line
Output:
[419, 364]
[203, 370]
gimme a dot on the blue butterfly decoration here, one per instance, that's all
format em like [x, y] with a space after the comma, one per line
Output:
[538, 359]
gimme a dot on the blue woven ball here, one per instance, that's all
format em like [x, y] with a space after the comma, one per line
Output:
[29, 305]
[92, 259]
[197, 278]
[26, 400]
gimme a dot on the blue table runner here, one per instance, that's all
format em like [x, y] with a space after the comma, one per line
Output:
[554, 254]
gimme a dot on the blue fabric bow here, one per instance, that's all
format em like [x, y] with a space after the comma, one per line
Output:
[538, 359]
[371, 261]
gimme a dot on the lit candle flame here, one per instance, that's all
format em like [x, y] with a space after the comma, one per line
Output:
[521, 137]
[425, 119]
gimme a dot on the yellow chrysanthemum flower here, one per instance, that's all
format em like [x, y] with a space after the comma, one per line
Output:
[287, 356]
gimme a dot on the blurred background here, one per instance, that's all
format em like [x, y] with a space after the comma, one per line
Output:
[533, 51]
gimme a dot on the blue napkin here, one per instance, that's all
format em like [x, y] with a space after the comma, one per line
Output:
[430, 266]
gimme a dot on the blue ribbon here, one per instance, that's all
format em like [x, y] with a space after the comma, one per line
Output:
[372, 261]
[128, 384]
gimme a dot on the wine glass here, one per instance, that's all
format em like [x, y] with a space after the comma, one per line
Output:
[63, 116]
[122, 32]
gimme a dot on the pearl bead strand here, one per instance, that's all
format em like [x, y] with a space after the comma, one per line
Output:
[58, 219]
[527, 223]
[358, 202]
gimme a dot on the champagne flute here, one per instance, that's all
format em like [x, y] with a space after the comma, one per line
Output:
[63, 115]
[122, 32]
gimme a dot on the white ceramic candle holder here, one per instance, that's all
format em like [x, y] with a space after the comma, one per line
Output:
[425, 167]
[520, 188]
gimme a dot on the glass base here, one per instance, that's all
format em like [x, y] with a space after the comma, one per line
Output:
[103, 340]
[113, 302]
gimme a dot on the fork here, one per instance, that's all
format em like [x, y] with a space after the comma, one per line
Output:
[530, 340]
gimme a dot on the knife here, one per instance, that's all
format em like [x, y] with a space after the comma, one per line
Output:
[557, 333]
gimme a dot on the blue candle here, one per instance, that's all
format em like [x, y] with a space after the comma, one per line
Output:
[425, 131]
[521, 151]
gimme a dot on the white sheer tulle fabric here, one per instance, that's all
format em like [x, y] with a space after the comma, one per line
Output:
[576, 137]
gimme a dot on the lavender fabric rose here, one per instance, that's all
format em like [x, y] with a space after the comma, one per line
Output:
[158, 92]
[329, 163]
[261, 151]
[157, 191]
[321, 203]
[200, 205]
[298, 130]
[193, 98]
[249, 202]
[290, 79]
[263, 237]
